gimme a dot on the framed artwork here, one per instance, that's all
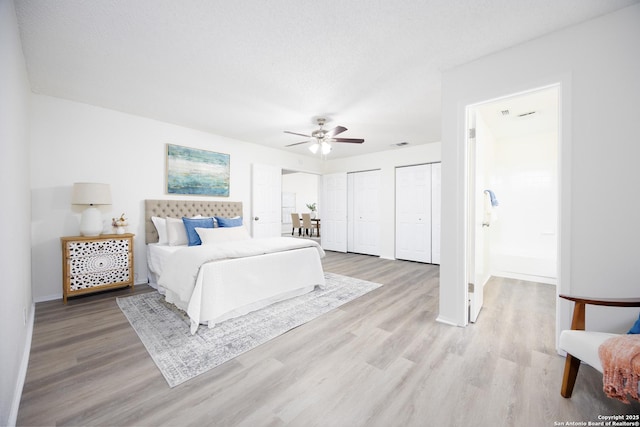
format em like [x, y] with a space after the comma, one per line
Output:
[198, 172]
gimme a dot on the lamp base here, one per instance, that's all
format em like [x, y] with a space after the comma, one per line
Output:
[91, 222]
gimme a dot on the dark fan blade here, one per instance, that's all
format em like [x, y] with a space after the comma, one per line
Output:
[297, 143]
[299, 134]
[336, 130]
[352, 140]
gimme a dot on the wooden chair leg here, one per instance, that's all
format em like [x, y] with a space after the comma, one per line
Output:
[571, 366]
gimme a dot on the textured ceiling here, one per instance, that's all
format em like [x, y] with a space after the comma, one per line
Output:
[252, 69]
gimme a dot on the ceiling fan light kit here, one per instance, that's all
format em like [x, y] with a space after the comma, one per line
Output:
[321, 139]
[324, 147]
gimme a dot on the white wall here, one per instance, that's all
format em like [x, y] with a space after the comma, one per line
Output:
[524, 176]
[597, 66]
[74, 142]
[386, 161]
[16, 304]
[305, 186]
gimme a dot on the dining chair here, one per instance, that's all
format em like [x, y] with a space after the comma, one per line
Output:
[307, 224]
[295, 221]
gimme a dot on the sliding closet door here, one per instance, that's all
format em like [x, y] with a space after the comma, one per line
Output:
[364, 212]
[333, 212]
[413, 213]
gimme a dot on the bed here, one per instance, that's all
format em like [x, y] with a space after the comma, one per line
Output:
[225, 277]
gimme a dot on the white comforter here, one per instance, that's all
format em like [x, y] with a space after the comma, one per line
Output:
[181, 273]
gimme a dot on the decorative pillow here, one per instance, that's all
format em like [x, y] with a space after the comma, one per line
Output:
[176, 233]
[222, 234]
[635, 329]
[161, 228]
[229, 222]
[190, 225]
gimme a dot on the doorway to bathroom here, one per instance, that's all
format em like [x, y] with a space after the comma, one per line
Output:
[513, 197]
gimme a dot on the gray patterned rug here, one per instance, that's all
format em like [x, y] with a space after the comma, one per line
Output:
[180, 356]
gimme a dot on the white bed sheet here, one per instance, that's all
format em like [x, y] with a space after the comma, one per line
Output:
[157, 256]
[233, 287]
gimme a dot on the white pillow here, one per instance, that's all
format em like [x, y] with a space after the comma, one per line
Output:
[222, 234]
[161, 228]
[176, 232]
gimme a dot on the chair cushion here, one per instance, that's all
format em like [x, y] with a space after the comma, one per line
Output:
[635, 329]
[584, 345]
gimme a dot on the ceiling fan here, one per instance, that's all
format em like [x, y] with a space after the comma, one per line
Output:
[322, 138]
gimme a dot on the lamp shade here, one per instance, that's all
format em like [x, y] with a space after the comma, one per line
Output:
[91, 193]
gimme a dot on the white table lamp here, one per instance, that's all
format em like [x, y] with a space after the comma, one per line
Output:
[91, 194]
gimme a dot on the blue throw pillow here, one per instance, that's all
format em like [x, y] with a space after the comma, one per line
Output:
[190, 225]
[635, 329]
[229, 222]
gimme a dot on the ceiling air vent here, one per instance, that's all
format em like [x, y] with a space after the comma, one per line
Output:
[400, 144]
[526, 114]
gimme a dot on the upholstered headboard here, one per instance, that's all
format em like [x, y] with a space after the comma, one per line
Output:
[180, 208]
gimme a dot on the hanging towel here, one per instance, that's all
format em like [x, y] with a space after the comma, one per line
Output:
[494, 201]
[488, 211]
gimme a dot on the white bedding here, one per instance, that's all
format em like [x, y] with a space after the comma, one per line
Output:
[157, 255]
[215, 282]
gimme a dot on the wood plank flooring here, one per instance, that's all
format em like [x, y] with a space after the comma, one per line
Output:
[380, 360]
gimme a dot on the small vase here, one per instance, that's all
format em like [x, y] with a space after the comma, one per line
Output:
[120, 230]
[313, 215]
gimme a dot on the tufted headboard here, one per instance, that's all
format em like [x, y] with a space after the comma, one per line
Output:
[180, 208]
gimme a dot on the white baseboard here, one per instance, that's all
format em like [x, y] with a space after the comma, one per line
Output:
[527, 277]
[48, 298]
[22, 373]
[441, 319]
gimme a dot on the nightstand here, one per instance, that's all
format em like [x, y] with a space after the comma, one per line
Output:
[93, 264]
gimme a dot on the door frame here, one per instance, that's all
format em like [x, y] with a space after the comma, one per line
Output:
[318, 175]
[563, 312]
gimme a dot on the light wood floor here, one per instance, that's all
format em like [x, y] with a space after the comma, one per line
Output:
[381, 360]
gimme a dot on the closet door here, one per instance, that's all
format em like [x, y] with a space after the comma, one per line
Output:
[364, 204]
[413, 213]
[333, 212]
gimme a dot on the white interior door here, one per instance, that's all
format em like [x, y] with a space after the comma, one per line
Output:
[365, 226]
[333, 212]
[475, 205]
[266, 201]
[413, 213]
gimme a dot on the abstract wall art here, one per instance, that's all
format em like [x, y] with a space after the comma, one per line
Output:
[197, 172]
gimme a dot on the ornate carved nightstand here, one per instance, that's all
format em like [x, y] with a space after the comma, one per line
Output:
[92, 264]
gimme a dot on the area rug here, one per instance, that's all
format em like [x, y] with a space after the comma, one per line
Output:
[180, 356]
